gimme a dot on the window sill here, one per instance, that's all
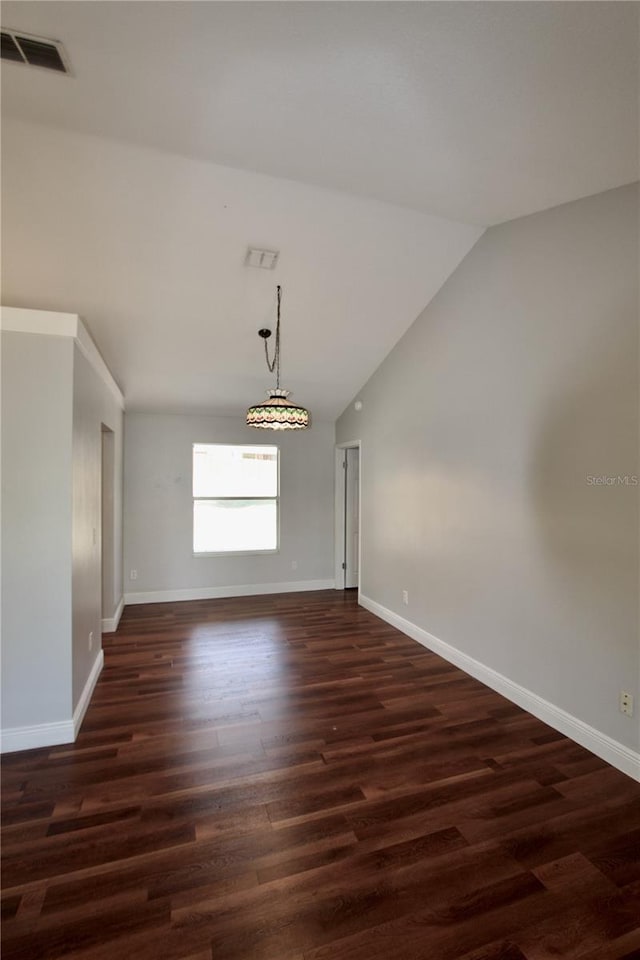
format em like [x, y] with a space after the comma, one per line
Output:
[236, 553]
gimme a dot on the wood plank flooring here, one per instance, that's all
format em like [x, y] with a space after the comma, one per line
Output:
[290, 778]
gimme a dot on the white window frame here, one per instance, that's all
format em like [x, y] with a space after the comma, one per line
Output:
[236, 553]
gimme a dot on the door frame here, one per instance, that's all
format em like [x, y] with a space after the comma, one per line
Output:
[339, 522]
[106, 527]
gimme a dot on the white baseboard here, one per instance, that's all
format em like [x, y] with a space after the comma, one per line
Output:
[214, 593]
[605, 747]
[53, 734]
[85, 696]
[40, 735]
[110, 624]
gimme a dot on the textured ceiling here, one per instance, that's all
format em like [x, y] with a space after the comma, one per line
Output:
[368, 142]
[149, 249]
[480, 112]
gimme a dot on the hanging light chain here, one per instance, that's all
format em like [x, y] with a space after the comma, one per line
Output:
[275, 363]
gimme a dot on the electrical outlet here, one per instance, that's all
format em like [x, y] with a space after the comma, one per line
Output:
[626, 703]
[91, 640]
[133, 575]
[405, 596]
[294, 564]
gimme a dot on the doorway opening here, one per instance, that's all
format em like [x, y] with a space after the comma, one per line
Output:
[107, 521]
[347, 521]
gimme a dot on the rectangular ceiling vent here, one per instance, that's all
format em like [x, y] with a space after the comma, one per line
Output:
[266, 259]
[34, 51]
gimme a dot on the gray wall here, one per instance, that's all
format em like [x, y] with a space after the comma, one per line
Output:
[37, 381]
[93, 406]
[479, 433]
[158, 505]
[53, 406]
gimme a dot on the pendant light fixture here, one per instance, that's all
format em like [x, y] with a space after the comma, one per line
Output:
[277, 412]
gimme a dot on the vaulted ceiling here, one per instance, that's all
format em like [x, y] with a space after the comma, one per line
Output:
[369, 143]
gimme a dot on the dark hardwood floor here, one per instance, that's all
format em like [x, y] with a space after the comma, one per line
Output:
[279, 778]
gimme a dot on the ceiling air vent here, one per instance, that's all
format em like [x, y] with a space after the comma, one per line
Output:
[10, 49]
[266, 259]
[35, 51]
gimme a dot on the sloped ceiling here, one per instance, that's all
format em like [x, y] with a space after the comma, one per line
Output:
[389, 134]
[149, 249]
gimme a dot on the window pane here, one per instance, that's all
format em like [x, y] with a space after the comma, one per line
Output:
[221, 525]
[234, 471]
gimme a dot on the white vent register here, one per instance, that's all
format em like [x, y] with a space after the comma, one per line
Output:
[34, 51]
[265, 259]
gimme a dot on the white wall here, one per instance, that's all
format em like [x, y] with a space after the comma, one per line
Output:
[37, 383]
[158, 508]
[479, 432]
